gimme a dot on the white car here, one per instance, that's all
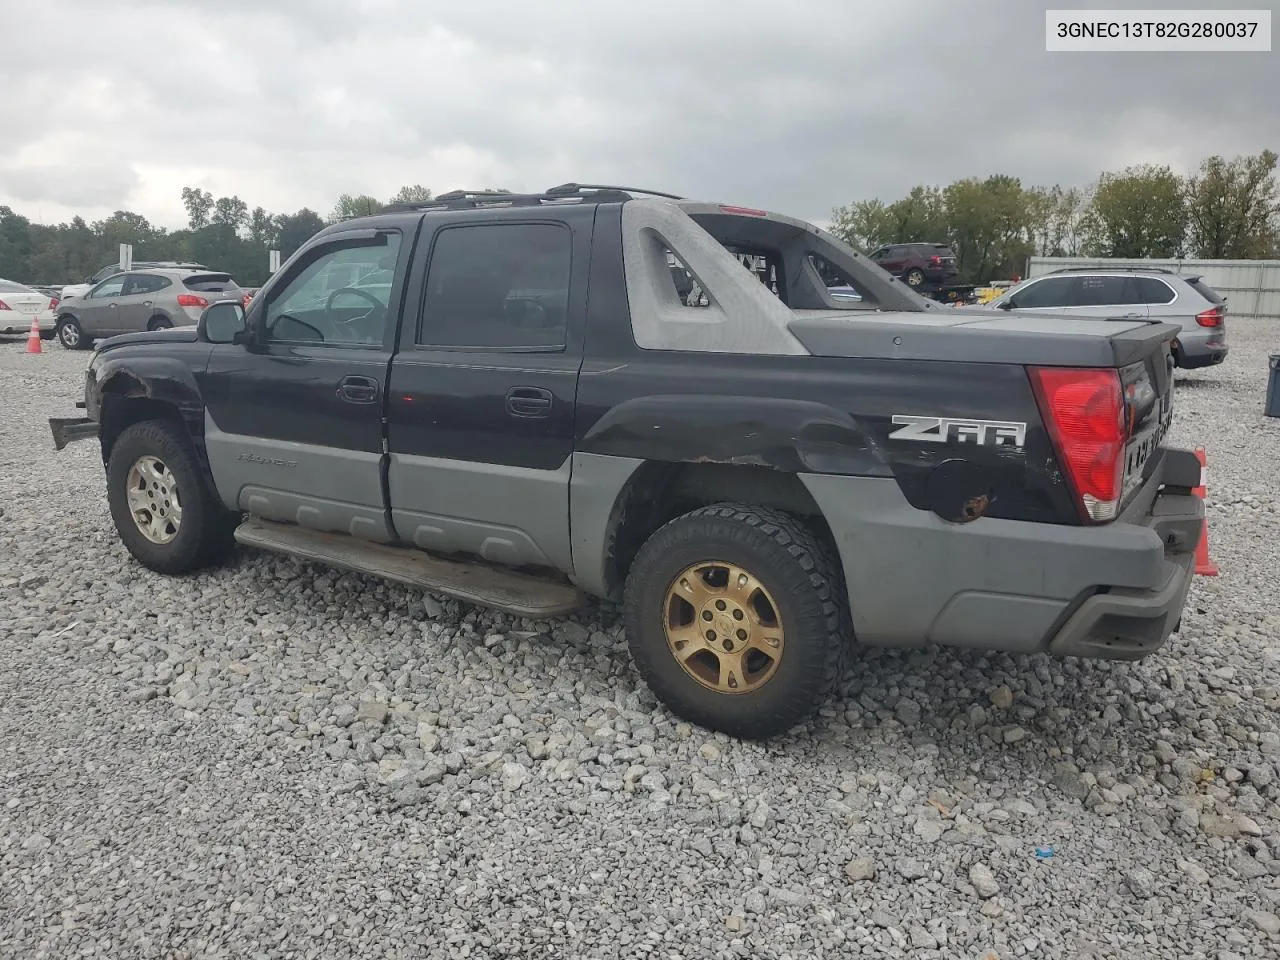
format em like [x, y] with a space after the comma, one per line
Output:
[19, 305]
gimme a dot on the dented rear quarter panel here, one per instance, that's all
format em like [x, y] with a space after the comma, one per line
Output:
[824, 416]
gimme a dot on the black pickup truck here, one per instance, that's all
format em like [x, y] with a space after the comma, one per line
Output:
[505, 398]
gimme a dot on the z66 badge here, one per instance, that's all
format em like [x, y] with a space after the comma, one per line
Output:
[984, 433]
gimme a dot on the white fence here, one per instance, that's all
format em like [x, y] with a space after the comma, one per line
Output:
[1252, 287]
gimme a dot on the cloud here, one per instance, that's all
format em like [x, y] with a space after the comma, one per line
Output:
[294, 103]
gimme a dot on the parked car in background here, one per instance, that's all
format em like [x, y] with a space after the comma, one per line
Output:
[111, 269]
[150, 299]
[1133, 293]
[20, 304]
[918, 263]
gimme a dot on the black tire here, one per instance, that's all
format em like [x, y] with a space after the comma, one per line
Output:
[159, 323]
[803, 581]
[914, 277]
[205, 533]
[71, 335]
[48, 334]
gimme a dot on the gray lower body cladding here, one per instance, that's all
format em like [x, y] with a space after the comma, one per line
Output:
[1113, 591]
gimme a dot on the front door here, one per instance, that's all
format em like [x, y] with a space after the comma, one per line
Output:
[293, 421]
[481, 404]
[98, 311]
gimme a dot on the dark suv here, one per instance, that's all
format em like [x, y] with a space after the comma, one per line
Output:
[918, 263]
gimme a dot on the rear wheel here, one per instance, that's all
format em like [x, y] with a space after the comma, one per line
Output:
[735, 619]
[164, 512]
[70, 334]
[159, 323]
[915, 277]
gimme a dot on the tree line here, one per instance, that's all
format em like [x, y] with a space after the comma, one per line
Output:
[1227, 209]
[222, 233]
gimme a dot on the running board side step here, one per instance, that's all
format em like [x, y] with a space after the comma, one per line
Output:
[519, 594]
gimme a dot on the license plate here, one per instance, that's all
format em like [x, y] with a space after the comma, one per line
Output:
[28, 308]
[1140, 449]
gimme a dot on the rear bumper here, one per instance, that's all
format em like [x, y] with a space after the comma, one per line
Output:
[1193, 356]
[1113, 592]
[19, 324]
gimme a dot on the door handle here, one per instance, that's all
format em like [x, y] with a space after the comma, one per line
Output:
[111, 305]
[528, 402]
[358, 389]
[146, 303]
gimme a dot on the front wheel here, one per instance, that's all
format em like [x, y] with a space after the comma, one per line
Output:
[163, 511]
[70, 335]
[736, 619]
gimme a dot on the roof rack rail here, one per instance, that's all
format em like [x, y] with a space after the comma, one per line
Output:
[564, 193]
[1102, 269]
[577, 188]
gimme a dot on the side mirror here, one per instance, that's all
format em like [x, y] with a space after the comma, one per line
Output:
[222, 322]
[1005, 305]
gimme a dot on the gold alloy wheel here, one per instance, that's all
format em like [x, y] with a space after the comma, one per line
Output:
[153, 499]
[723, 627]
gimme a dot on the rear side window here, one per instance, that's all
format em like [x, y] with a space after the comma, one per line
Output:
[210, 282]
[501, 286]
[1050, 292]
[1151, 290]
[1206, 291]
[1100, 292]
[145, 283]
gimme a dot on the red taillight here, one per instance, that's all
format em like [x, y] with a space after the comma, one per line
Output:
[191, 300]
[935, 261]
[1210, 318]
[744, 211]
[3, 305]
[1083, 411]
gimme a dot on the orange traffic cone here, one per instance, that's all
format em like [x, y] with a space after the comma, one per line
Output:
[33, 338]
[1204, 566]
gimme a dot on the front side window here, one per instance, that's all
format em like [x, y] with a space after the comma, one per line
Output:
[1050, 292]
[323, 304]
[498, 286]
[108, 288]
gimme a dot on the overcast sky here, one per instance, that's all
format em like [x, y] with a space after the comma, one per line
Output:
[108, 105]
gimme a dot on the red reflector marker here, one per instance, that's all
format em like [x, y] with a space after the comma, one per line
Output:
[1083, 410]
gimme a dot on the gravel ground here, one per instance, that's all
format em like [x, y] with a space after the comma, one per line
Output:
[276, 760]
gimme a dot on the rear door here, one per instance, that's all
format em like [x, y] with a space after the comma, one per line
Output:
[134, 308]
[481, 404]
